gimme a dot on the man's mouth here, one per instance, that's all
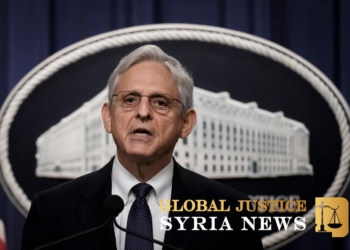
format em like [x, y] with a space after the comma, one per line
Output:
[142, 132]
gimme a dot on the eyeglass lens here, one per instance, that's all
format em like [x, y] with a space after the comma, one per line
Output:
[157, 101]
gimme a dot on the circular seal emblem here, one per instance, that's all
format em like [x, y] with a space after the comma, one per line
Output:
[269, 123]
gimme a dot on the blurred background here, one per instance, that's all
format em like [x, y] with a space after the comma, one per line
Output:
[31, 31]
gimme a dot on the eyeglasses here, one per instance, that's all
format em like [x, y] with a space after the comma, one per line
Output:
[161, 103]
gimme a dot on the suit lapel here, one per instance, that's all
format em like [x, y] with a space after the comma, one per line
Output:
[90, 212]
[93, 194]
[183, 188]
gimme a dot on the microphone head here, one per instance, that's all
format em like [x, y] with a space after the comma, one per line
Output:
[113, 205]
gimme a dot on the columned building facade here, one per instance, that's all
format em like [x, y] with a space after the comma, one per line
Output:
[231, 139]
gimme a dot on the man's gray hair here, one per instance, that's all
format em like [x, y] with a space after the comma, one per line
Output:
[181, 77]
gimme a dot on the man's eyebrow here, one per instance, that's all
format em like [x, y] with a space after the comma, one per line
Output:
[152, 94]
[157, 93]
[134, 92]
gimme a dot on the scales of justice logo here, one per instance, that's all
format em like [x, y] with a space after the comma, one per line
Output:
[231, 139]
[335, 211]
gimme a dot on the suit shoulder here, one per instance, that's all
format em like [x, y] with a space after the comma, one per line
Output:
[72, 187]
[211, 187]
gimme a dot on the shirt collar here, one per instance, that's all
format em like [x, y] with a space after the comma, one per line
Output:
[123, 181]
[162, 182]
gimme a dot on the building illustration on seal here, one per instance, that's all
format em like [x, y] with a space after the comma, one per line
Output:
[231, 139]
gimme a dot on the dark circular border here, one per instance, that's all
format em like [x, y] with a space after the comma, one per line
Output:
[149, 33]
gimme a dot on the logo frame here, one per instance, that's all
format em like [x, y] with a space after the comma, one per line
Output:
[151, 33]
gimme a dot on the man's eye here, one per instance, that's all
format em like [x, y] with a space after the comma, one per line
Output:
[160, 102]
[130, 100]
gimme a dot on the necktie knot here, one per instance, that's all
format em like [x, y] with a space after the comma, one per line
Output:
[141, 190]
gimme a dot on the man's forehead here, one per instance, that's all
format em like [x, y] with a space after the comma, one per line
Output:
[147, 77]
[143, 88]
[137, 92]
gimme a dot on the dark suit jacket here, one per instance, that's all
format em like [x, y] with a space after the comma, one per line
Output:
[76, 206]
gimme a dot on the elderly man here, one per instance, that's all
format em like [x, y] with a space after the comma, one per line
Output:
[149, 109]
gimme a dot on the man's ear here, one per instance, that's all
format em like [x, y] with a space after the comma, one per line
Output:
[189, 121]
[106, 117]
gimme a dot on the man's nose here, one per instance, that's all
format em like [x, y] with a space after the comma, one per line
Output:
[144, 109]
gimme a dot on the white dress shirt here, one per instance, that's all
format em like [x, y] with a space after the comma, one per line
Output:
[123, 181]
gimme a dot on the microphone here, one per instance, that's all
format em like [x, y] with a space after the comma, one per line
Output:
[112, 206]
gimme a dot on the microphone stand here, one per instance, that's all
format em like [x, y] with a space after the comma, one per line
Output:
[75, 235]
[144, 237]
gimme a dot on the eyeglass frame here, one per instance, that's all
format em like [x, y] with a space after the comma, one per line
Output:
[149, 99]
